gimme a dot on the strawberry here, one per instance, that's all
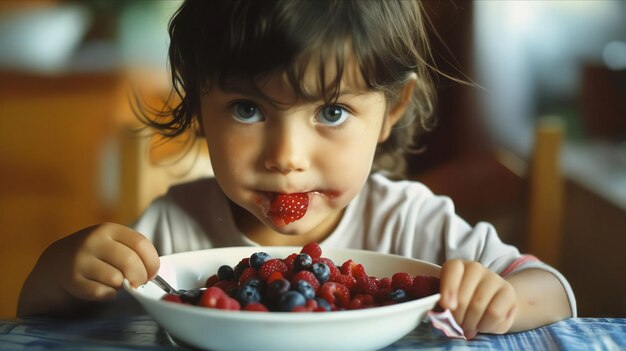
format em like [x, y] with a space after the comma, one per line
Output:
[423, 286]
[287, 208]
[270, 266]
[313, 250]
[335, 293]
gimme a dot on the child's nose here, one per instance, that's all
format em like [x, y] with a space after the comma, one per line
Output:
[286, 150]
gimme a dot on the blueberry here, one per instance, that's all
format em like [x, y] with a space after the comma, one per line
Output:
[397, 295]
[304, 288]
[277, 288]
[302, 262]
[321, 302]
[248, 294]
[290, 300]
[321, 272]
[226, 272]
[192, 296]
[258, 258]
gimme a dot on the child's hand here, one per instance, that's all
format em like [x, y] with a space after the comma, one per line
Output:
[99, 258]
[90, 264]
[480, 300]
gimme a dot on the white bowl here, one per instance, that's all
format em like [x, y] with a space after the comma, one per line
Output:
[206, 328]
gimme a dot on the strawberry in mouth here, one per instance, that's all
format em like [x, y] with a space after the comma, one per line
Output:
[287, 208]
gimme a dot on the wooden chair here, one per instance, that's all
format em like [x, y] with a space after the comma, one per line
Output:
[524, 199]
[546, 193]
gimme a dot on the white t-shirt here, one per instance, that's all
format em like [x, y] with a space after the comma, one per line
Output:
[397, 217]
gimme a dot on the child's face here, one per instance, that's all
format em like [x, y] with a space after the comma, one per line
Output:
[258, 149]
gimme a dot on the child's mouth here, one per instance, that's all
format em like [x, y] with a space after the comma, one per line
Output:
[287, 208]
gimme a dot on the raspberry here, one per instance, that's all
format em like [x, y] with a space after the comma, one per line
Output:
[423, 286]
[366, 285]
[210, 296]
[385, 283]
[247, 274]
[335, 293]
[313, 250]
[361, 301]
[255, 307]
[287, 208]
[172, 298]
[346, 280]
[402, 281]
[211, 281]
[275, 276]
[227, 303]
[289, 262]
[310, 306]
[243, 264]
[307, 276]
[226, 285]
[353, 269]
[270, 266]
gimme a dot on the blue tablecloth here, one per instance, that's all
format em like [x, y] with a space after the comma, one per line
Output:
[140, 332]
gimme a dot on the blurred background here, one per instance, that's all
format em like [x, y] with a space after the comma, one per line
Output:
[535, 144]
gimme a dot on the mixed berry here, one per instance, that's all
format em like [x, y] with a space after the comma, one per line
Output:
[303, 282]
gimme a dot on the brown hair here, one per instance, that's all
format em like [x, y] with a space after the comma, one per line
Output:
[218, 42]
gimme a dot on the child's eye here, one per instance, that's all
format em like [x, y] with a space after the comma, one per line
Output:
[332, 115]
[246, 112]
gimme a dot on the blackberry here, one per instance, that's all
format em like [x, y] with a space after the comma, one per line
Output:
[226, 272]
[276, 289]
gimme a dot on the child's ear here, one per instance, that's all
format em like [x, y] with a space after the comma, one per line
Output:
[398, 108]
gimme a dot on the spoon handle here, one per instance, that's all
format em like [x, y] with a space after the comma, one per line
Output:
[163, 284]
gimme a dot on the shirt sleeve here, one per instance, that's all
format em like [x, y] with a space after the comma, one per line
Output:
[437, 221]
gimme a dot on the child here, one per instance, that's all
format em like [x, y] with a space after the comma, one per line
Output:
[303, 104]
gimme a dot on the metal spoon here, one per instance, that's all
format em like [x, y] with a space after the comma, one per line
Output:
[191, 296]
[163, 284]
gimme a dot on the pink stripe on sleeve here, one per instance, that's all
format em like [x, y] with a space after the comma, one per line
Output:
[518, 262]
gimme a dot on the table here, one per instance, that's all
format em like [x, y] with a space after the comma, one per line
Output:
[141, 332]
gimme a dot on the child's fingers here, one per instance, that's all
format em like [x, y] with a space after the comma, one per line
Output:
[450, 281]
[472, 275]
[479, 302]
[128, 262]
[500, 313]
[91, 290]
[143, 248]
[104, 273]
